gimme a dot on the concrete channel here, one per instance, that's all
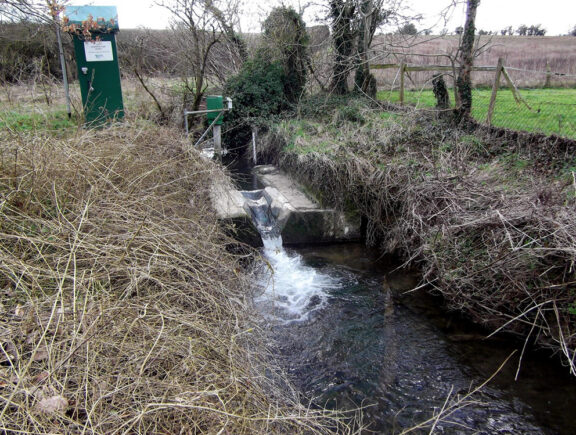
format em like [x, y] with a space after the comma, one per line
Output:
[301, 218]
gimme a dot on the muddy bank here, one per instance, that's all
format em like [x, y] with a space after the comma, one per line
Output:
[487, 220]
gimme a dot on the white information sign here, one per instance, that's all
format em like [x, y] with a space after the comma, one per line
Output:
[98, 51]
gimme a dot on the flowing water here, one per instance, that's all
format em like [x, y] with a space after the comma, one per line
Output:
[348, 340]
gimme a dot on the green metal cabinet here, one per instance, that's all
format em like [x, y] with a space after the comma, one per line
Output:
[97, 62]
[214, 102]
[99, 79]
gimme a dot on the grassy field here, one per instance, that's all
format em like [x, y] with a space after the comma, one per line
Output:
[30, 120]
[548, 111]
[25, 107]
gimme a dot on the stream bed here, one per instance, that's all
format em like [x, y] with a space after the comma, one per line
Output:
[350, 333]
[347, 341]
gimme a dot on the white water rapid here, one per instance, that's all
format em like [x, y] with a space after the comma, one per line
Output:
[290, 290]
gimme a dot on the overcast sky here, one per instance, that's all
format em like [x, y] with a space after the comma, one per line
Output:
[556, 16]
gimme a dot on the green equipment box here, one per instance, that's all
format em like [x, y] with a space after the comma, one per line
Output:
[214, 102]
[94, 31]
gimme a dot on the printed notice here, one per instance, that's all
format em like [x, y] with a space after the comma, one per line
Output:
[98, 51]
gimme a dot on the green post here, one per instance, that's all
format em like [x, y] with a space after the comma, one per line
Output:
[215, 102]
[97, 62]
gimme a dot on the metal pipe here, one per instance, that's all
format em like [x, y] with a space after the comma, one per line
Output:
[207, 130]
[254, 145]
[64, 71]
[198, 112]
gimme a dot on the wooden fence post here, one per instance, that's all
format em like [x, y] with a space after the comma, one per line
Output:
[548, 83]
[402, 70]
[456, 93]
[495, 87]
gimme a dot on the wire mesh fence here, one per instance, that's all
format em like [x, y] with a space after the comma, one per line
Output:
[536, 101]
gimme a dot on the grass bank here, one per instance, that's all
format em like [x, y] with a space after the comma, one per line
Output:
[489, 221]
[121, 311]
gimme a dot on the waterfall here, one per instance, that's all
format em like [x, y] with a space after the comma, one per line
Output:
[263, 219]
[290, 290]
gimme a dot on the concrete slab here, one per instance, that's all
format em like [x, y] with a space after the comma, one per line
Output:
[300, 218]
[227, 201]
[269, 175]
[229, 206]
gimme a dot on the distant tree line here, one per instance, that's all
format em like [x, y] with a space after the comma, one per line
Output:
[522, 30]
[28, 51]
[534, 30]
[408, 29]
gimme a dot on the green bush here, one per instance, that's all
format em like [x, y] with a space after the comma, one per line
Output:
[286, 40]
[273, 81]
[258, 90]
[258, 94]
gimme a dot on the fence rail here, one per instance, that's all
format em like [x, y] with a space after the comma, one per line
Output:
[408, 67]
[548, 108]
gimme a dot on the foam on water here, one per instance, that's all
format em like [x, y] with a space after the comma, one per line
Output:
[290, 290]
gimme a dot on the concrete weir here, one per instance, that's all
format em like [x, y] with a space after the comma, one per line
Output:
[300, 218]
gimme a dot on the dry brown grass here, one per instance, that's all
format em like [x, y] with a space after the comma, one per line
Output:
[523, 52]
[489, 222]
[121, 309]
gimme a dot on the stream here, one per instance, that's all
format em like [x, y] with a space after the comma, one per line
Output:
[347, 340]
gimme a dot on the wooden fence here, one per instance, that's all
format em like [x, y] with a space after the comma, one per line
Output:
[499, 72]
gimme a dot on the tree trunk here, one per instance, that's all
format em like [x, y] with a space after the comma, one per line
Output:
[464, 81]
[342, 14]
[364, 81]
[440, 92]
